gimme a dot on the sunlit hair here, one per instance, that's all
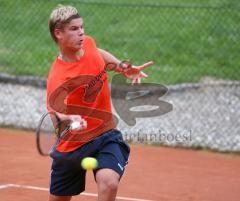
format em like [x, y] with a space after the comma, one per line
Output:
[60, 16]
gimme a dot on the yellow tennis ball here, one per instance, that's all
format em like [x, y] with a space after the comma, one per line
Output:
[89, 163]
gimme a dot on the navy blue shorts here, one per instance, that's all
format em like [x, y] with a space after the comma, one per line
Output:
[67, 175]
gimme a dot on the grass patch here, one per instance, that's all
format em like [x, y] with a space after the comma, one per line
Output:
[187, 40]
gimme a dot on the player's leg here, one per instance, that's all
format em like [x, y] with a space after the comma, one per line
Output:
[67, 177]
[107, 182]
[59, 198]
[112, 158]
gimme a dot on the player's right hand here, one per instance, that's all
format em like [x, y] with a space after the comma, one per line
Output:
[78, 123]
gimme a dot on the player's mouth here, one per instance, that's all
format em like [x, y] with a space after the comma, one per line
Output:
[80, 42]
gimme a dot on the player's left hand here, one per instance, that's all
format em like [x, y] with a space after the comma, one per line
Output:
[135, 73]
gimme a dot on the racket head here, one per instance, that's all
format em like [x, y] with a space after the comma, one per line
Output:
[47, 133]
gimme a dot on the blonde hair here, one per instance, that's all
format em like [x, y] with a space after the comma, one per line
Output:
[60, 16]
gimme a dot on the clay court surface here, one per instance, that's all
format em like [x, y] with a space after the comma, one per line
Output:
[154, 173]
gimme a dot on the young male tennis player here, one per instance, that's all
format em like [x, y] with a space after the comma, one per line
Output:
[80, 58]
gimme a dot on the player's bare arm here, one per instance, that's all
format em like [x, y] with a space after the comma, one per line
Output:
[134, 73]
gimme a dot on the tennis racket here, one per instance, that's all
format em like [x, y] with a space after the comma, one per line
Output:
[51, 130]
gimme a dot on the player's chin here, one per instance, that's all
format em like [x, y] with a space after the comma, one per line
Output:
[76, 48]
[79, 46]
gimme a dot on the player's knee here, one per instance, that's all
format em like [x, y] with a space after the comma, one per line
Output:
[108, 185]
[112, 185]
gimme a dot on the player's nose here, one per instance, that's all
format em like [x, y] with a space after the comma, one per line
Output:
[80, 32]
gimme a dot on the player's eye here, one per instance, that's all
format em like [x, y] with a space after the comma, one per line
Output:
[74, 28]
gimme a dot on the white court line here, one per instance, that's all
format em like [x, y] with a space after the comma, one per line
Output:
[46, 189]
[5, 186]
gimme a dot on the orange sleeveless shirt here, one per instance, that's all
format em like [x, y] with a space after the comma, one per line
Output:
[84, 84]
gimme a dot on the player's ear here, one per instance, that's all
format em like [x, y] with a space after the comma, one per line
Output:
[58, 34]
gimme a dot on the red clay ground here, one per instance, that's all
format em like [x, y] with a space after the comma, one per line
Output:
[154, 173]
